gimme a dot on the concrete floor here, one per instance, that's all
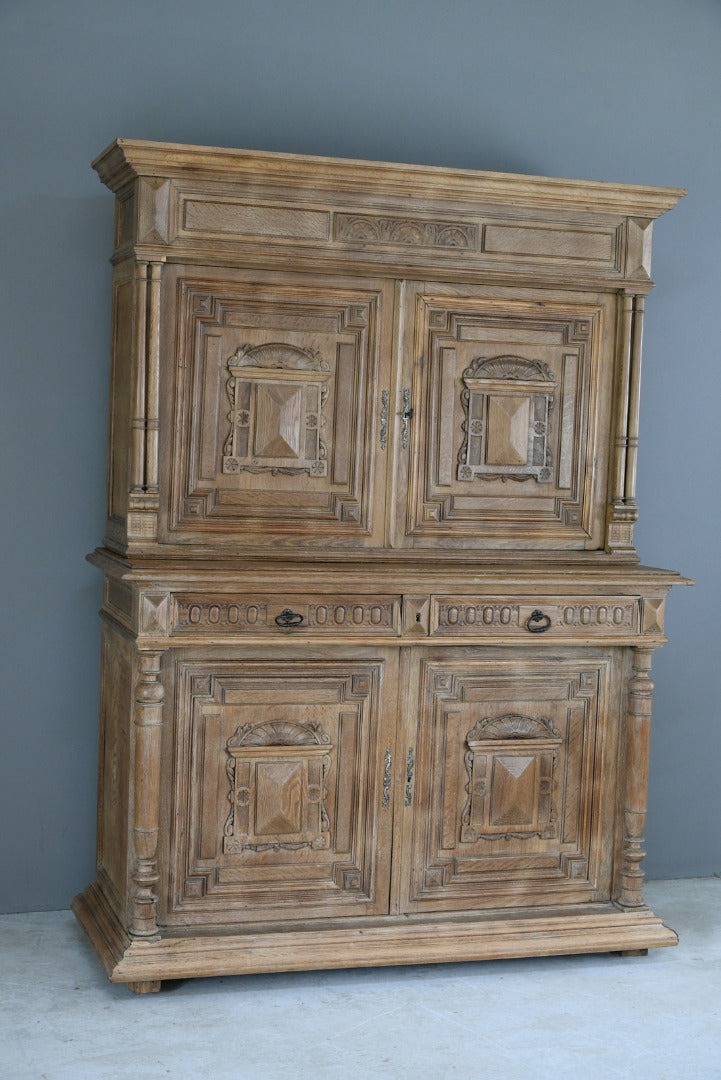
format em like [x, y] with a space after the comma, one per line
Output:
[586, 1017]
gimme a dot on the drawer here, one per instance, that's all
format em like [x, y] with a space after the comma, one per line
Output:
[285, 615]
[540, 618]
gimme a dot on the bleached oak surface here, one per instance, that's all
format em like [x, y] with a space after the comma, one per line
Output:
[376, 643]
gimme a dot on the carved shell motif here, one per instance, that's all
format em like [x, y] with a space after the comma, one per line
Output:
[275, 354]
[513, 726]
[278, 733]
[510, 368]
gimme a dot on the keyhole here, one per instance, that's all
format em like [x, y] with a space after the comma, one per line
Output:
[418, 617]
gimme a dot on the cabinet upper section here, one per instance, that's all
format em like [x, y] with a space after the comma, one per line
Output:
[231, 206]
[312, 354]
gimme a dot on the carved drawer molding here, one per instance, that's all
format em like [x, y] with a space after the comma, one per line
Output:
[491, 616]
[197, 613]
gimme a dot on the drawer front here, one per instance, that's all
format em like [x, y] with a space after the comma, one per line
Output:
[286, 615]
[540, 618]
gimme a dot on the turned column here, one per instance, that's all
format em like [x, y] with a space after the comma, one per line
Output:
[623, 509]
[638, 737]
[137, 443]
[148, 718]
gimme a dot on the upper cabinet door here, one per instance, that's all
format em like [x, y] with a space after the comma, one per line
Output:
[274, 423]
[505, 403]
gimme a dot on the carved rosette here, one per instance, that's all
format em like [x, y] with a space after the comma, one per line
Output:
[507, 403]
[510, 764]
[277, 393]
[277, 774]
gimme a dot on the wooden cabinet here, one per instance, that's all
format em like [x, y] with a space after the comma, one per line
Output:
[376, 643]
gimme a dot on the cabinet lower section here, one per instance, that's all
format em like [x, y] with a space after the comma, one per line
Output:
[282, 804]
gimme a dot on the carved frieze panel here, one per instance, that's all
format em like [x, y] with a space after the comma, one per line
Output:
[353, 614]
[419, 232]
[219, 613]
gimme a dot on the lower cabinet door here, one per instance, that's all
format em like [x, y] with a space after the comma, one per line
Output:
[280, 807]
[513, 760]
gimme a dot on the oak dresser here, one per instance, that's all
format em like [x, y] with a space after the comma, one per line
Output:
[376, 642]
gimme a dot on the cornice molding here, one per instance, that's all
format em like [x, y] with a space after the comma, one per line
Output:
[126, 159]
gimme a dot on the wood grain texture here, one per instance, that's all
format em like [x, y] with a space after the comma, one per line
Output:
[376, 643]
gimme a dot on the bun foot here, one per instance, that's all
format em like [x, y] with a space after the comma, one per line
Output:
[150, 987]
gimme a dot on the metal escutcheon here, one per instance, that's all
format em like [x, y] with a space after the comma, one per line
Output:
[538, 622]
[289, 618]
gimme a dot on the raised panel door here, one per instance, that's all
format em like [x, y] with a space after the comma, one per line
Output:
[510, 802]
[278, 787]
[274, 410]
[506, 404]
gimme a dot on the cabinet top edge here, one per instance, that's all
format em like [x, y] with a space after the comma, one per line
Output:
[125, 159]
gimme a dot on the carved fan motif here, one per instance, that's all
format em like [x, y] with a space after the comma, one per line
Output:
[513, 726]
[278, 355]
[277, 733]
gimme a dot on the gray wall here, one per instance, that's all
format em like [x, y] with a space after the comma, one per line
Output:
[624, 90]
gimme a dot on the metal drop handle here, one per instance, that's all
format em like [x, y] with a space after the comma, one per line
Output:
[289, 618]
[538, 622]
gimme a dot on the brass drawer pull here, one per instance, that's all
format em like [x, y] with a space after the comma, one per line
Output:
[538, 622]
[289, 618]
